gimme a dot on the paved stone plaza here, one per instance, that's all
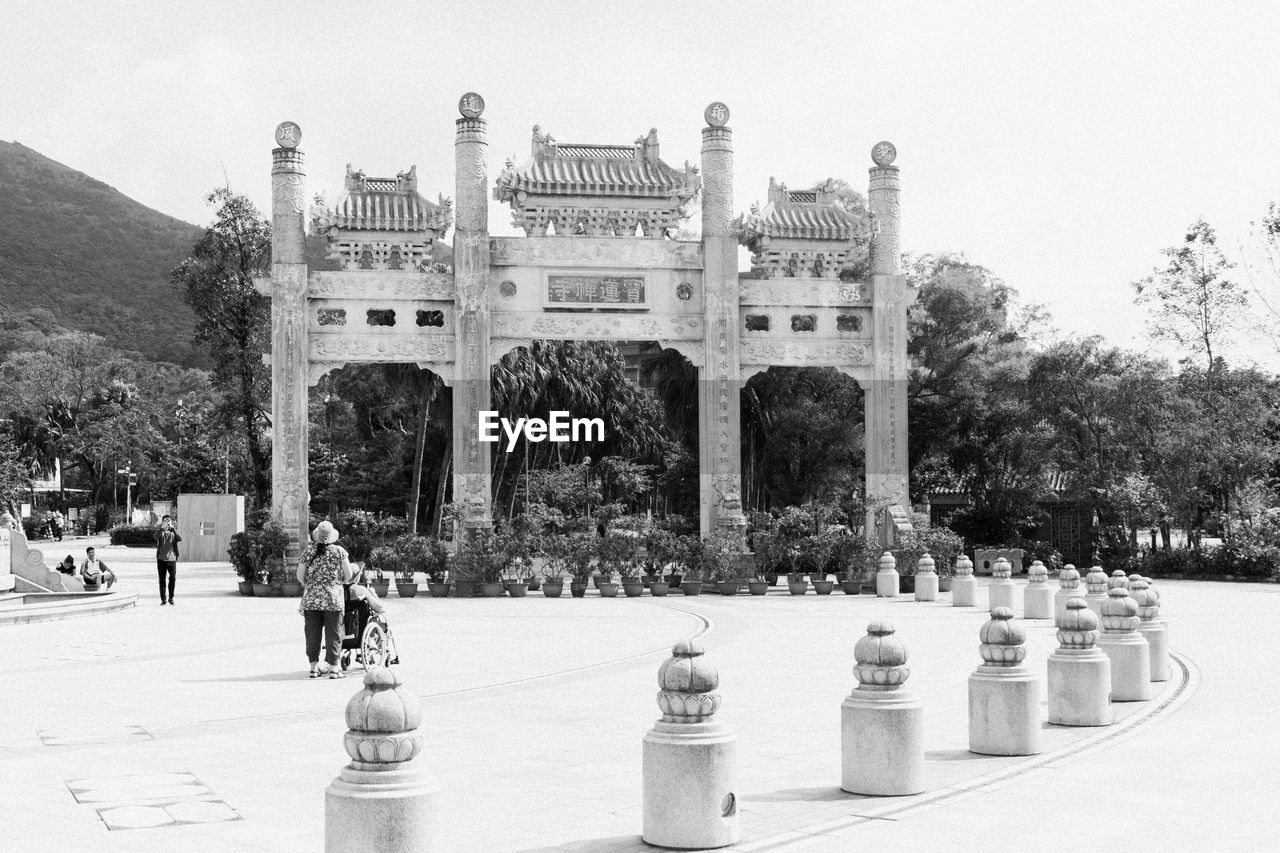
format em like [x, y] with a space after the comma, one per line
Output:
[196, 728]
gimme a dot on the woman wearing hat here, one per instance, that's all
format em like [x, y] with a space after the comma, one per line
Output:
[322, 571]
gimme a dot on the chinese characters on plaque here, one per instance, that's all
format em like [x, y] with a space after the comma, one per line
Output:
[576, 290]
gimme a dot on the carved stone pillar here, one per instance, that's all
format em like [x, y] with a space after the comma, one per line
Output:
[885, 399]
[719, 409]
[290, 497]
[471, 392]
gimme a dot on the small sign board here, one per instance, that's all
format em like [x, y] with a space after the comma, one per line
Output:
[596, 290]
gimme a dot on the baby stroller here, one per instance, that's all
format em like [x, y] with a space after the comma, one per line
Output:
[366, 636]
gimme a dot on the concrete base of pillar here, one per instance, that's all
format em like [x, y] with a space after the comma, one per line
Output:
[1130, 666]
[964, 591]
[927, 587]
[1004, 711]
[1001, 593]
[1095, 604]
[887, 584]
[1157, 637]
[881, 743]
[1080, 688]
[391, 811]
[689, 796]
[1037, 601]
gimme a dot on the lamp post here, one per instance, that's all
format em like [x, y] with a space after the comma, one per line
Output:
[586, 482]
[127, 470]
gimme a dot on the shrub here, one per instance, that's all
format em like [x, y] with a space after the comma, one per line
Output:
[134, 535]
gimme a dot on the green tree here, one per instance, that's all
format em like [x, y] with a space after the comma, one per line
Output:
[233, 320]
[1192, 302]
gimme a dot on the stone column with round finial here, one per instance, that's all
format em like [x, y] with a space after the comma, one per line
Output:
[1096, 585]
[881, 725]
[472, 461]
[287, 288]
[689, 759]
[926, 579]
[381, 801]
[1129, 651]
[964, 586]
[1037, 597]
[887, 576]
[1068, 588]
[1004, 693]
[1002, 591]
[1079, 672]
[1151, 627]
[1118, 578]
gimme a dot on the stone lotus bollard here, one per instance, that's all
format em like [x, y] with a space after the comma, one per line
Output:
[380, 802]
[1004, 695]
[1129, 652]
[1118, 578]
[964, 587]
[1068, 588]
[926, 579]
[881, 725]
[887, 576]
[1037, 596]
[1001, 591]
[1096, 587]
[1079, 672]
[1151, 627]
[689, 760]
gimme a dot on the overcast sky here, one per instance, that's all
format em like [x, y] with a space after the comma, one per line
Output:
[1061, 145]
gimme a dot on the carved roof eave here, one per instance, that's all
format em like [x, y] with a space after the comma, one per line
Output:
[599, 179]
[825, 226]
[433, 225]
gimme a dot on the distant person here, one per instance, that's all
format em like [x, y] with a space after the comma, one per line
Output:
[167, 540]
[94, 571]
[322, 570]
[68, 565]
[57, 524]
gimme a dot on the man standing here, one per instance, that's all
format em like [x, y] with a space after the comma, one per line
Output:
[167, 540]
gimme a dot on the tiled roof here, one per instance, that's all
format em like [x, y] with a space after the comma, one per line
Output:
[382, 211]
[598, 176]
[384, 204]
[1054, 480]
[577, 169]
[808, 220]
[812, 214]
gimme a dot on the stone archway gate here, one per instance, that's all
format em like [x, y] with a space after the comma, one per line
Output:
[598, 262]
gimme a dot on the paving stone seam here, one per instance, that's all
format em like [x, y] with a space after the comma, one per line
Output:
[1180, 694]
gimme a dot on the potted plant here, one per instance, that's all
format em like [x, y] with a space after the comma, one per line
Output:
[718, 559]
[660, 551]
[759, 577]
[240, 554]
[580, 559]
[554, 550]
[617, 552]
[382, 559]
[272, 542]
[813, 551]
[465, 575]
[262, 583]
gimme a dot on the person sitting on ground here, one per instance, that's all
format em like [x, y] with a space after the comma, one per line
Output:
[68, 565]
[93, 571]
[359, 590]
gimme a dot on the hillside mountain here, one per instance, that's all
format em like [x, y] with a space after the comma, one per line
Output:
[95, 258]
[99, 261]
